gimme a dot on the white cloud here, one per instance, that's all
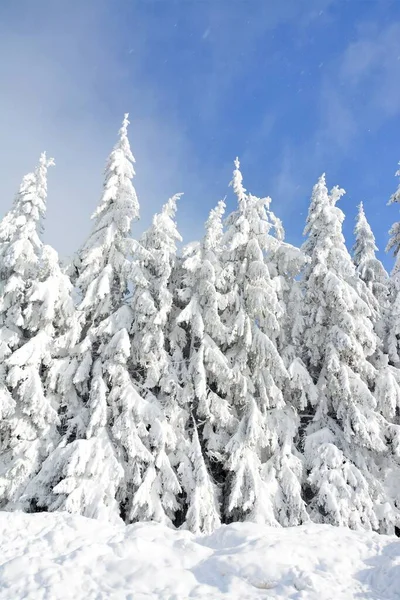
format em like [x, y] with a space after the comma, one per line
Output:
[64, 89]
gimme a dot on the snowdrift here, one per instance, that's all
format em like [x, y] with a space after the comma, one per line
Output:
[60, 556]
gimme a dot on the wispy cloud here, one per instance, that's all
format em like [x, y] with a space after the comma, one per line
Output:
[371, 67]
[64, 89]
[361, 89]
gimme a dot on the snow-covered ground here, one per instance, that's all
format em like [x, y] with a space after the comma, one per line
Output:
[59, 556]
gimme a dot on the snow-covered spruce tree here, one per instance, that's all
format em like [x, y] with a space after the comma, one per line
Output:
[103, 263]
[203, 514]
[207, 374]
[300, 391]
[152, 299]
[155, 495]
[285, 264]
[55, 292]
[393, 321]
[263, 482]
[345, 440]
[373, 274]
[394, 242]
[35, 306]
[91, 469]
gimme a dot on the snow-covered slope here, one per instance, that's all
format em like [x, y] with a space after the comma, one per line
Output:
[59, 556]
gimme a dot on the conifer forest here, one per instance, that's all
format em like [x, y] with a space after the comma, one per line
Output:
[234, 378]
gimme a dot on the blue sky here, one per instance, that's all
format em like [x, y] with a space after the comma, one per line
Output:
[294, 88]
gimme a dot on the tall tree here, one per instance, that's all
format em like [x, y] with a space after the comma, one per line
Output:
[156, 496]
[103, 264]
[207, 374]
[87, 472]
[373, 274]
[35, 306]
[346, 438]
[286, 263]
[393, 321]
[368, 266]
[264, 472]
[394, 242]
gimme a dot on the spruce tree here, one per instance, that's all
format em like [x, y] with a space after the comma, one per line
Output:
[207, 374]
[345, 441]
[264, 471]
[393, 321]
[156, 495]
[35, 306]
[394, 242]
[368, 266]
[373, 274]
[87, 473]
[286, 264]
[152, 299]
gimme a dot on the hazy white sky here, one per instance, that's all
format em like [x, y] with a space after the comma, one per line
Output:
[64, 89]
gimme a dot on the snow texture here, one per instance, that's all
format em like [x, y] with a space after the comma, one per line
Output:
[61, 556]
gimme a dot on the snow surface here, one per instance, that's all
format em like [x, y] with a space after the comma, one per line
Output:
[61, 556]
